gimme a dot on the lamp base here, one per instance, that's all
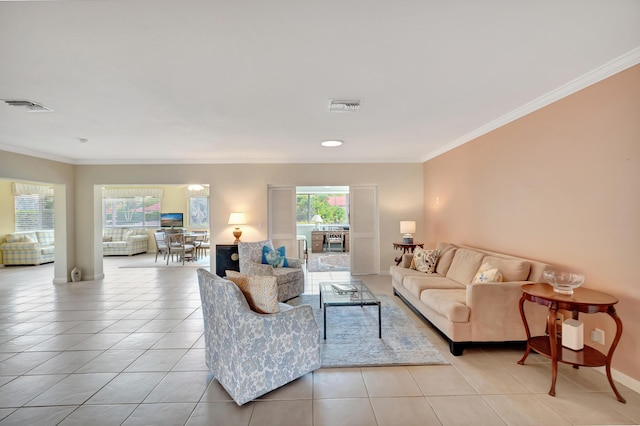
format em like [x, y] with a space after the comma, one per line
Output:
[407, 239]
[237, 233]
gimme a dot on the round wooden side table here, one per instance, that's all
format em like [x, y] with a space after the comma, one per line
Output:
[582, 300]
[405, 248]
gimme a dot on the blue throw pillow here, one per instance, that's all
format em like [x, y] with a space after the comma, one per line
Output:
[276, 258]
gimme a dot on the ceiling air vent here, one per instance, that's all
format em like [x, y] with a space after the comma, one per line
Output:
[28, 105]
[343, 106]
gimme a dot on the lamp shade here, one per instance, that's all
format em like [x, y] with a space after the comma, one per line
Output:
[237, 218]
[408, 226]
[316, 218]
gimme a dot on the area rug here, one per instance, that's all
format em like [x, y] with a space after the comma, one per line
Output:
[352, 336]
[329, 262]
[148, 262]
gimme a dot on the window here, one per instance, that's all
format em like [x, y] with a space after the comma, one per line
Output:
[131, 212]
[34, 212]
[331, 207]
[199, 212]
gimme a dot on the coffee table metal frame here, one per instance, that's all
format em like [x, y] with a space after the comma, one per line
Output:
[362, 297]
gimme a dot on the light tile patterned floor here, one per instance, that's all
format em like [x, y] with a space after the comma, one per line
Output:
[128, 350]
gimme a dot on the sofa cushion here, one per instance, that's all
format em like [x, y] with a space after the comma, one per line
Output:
[464, 266]
[261, 291]
[114, 233]
[511, 269]
[424, 260]
[487, 273]
[448, 303]
[29, 237]
[416, 285]
[46, 238]
[447, 251]
[399, 273]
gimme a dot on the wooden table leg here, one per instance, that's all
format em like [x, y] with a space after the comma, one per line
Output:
[551, 328]
[526, 328]
[612, 313]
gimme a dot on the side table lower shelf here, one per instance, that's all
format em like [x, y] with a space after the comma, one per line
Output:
[587, 357]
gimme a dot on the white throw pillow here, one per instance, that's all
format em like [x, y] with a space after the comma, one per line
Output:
[487, 273]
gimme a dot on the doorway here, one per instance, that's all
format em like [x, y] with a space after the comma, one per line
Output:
[322, 227]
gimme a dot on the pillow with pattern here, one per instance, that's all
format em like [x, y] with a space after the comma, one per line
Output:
[424, 260]
[487, 273]
[276, 258]
[261, 292]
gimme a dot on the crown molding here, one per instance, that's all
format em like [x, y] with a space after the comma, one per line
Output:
[615, 66]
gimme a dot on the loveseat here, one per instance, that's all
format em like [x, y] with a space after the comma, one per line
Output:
[124, 241]
[28, 248]
[463, 311]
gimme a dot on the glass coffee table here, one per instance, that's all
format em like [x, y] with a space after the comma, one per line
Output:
[347, 293]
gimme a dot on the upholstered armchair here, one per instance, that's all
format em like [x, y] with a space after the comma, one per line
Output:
[249, 353]
[290, 279]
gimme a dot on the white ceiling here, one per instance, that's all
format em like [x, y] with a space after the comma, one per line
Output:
[222, 81]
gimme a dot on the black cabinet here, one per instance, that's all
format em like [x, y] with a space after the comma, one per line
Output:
[226, 258]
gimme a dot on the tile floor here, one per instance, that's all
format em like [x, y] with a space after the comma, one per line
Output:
[128, 350]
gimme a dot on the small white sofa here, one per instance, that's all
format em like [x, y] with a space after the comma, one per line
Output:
[464, 312]
[124, 241]
[28, 248]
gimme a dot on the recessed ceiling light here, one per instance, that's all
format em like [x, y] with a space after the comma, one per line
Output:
[84, 140]
[331, 143]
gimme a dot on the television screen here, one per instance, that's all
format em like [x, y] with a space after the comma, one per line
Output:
[171, 220]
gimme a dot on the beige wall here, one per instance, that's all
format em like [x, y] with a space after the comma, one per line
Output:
[7, 211]
[30, 169]
[243, 187]
[560, 185]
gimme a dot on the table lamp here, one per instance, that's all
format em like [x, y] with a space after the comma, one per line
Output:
[237, 218]
[318, 220]
[408, 228]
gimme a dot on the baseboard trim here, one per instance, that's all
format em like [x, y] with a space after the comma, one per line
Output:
[621, 378]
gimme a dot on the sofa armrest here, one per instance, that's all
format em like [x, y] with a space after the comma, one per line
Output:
[494, 307]
[294, 263]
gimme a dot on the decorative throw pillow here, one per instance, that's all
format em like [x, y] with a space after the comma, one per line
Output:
[276, 258]
[127, 234]
[486, 274]
[30, 239]
[261, 291]
[107, 239]
[424, 260]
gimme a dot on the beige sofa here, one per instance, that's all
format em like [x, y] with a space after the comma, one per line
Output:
[464, 312]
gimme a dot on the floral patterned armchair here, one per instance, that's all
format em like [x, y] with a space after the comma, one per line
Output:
[290, 279]
[251, 354]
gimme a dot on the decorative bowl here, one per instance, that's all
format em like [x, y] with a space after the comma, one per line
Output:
[563, 282]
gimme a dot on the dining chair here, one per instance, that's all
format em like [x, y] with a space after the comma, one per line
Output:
[176, 244]
[161, 244]
[335, 236]
[204, 245]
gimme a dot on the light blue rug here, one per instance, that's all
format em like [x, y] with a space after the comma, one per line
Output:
[352, 336]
